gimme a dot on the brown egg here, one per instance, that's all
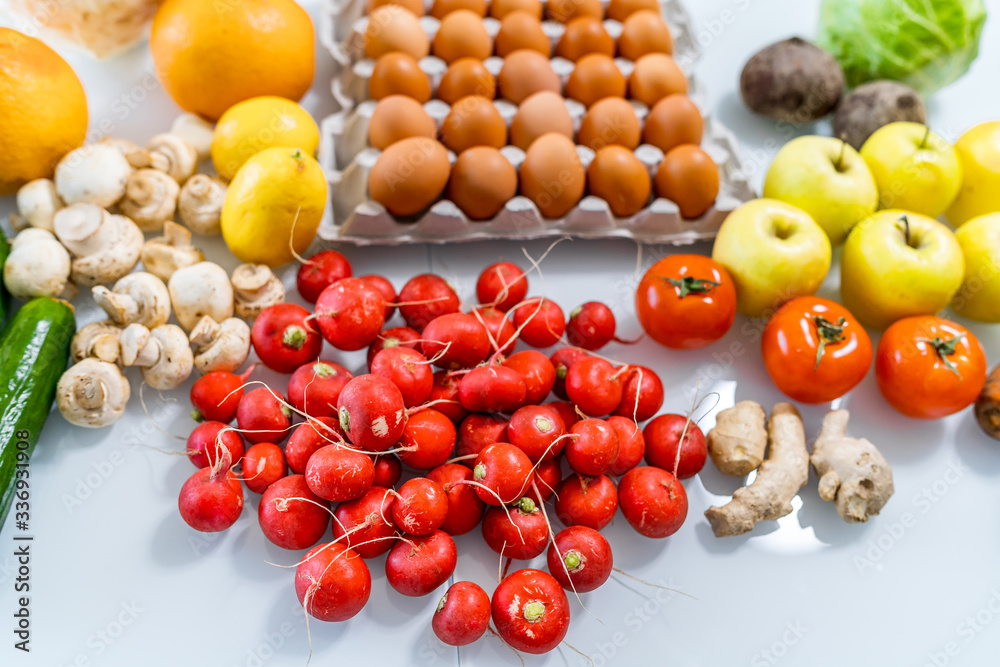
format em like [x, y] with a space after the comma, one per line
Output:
[689, 178]
[521, 30]
[525, 72]
[410, 175]
[397, 117]
[595, 77]
[441, 8]
[611, 121]
[466, 76]
[499, 9]
[473, 121]
[644, 32]
[399, 74]
[564, 11]
[540, 114]
[618, 177]
[482, 181]
[392, 28]
[415, 7]
[673, 121]
[552, 175]
[462, 35]
[619, 10]
[655, 76]
[584, 35]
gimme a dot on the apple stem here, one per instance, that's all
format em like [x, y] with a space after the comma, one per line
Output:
[944, 349]
[840, 158]
[923, 142]
[906, 228]
[829, 332]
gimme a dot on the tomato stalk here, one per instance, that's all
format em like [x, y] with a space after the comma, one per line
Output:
[690, 285]
[944, 349]
[829, 332]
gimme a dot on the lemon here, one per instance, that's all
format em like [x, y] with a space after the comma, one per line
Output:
[249, 127]
[275, 190]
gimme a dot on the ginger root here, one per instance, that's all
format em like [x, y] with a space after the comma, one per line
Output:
[738, 441]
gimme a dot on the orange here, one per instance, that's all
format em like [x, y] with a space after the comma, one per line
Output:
[43, 110]
[211, 54]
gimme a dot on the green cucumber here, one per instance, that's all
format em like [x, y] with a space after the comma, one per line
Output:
[34, 348]
[4, 296]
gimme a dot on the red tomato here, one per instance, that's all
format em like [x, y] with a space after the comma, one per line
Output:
[686, 301]
[814, 350]
[928, 367]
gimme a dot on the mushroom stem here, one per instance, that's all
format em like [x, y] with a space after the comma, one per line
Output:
[89, 392]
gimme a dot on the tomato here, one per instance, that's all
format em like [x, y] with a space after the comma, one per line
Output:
[686, 301]
[814, 350]
[928, 367]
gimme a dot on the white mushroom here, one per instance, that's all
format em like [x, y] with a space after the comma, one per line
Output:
[199, 290]
[137, 157]
[255, 287]
[97, 340]
[200, 204]
[150, 199]
[94, 174]
[106, 247]
[137, 298]
[173, 155]
[220, 347]
[196, 131]
[163, 353]
[163, 255]
[92, 393]
[38, 265]
[37, 203]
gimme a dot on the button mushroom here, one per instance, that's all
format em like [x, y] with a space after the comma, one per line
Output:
[256, 287]
[38, 265]
[199, 290]
[106, 247]
[93, 174]
[163, 255]
[139, 297]
[97, 340]
[163, 353]
[37, 203]
[196, 131]
[150, 199]
[200, 204]
[138, 158]
[220, 347]
[173, 155]
[92, 393]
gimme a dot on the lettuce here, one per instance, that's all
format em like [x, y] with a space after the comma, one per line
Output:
[925, 44]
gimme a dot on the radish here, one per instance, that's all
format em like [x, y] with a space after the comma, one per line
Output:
[537, 430]
[382, 285]
[291, 515]
[350, 314]
[592, 447]
[216, 396]
[262, 417]
[263, 465]
[502, 286]
[211, 499]
[337, 473]
[307, 439]
[388, 470]
[284, 339]
[663, 440]
[417, 565]
[548, 475]
[502, 332]
[319, 272]
[408, 370]
[425, 297]
[463, 614]
[521, 532]
[465, 509]
[421, 506]
[209, 440]
[477, 431]
[594, 386]
[540, 321]
[503, 469]
[444, 396]
[591, 326]
[538, 373]
[580, 559]
[372, 413]
[394, 337]
[428, 440]
[653, 501]
[642, 394]
[315, 388]
[586, 501]
[561, 361]
[492, 388]
[566, 411]
[366, 524]
[332, 583]
[530, 611]
[631, 445]
[455, 340]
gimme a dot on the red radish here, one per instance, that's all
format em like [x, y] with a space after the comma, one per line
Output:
[465, 509]
[583, 560]
[502, 333]
[594, 448]
[209, 440]
[262, 417]
[566, 410]
[631, 445]
[492, 388]
[211, 499]
[394, 337]
[291, 515]
[502, 285]
[417, 565]
[371, 515]
[216, 396]
[642, 394]
[543, 325]
[505, 470]
[538, 373]
[455, 340]
[444, 395]
[388, 470]
[530, 611]
[548, 475]
[408, 370]
[653, 501]
[425, 297]
[536, 430]
[421, 506]
[463, 614]
[521, 532]
[561, 360]
[337, 473]
[263, 465]
[428, 440]
[350, 314]
[477, 432]
[284, 339]
[663, 439]
[591, 326]
[586, 501]
[372, 413]
[319, 272]
[385, 288]
[307, 439]
[594, 386]
[315, 388]
[332, 583]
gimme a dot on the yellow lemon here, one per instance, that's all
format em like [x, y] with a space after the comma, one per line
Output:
[274, 205]
[249, 127]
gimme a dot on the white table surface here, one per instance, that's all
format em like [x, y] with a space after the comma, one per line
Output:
[119, 579]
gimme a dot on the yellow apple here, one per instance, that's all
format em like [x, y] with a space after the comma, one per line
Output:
[979, 152]
[979, 296]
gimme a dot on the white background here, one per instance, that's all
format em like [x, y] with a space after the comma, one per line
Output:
[119, 579]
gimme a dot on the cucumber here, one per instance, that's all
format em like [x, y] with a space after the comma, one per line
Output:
[34, 348]
[4, 296]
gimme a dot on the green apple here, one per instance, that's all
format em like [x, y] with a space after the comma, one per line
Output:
[774, 253]
[979, 296]
[914, 169]
[827, 179]
[979, 152]
[896, 264]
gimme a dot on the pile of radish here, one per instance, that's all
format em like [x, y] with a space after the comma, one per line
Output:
[448, 401]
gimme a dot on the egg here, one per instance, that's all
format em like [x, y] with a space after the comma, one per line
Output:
[618, 177]
[584, 35]
[552, 175]
[482, 181]
[690, 178]
[611, 121]
[409, 175]
[565, 11]
[499, 9]
[415, 7]
[525, 72]
[397, 117]
[644, 32]
[392, 28]
[441, 8]
[398, 73]
[619, 10]
[595, 77]
[539, 114]
[521, 30]
[673, 121]
[473, 121]
[466, 76]
[462, 35]
[655, 76]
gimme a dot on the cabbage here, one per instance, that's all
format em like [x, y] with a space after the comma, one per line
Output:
[925, 44]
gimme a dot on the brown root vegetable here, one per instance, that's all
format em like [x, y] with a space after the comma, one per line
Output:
[988, 405]
[738, 441]
[874, 104]
[792, 81]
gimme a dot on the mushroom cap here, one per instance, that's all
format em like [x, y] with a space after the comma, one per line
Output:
[37, 203]
[175, 360]
[99, 340]
[199, 290]
[38, 265]
[220, 347]
[256, 288]
[163, 255]
[92, 393]
[94, 173]
[196, 131]
[116, 259]
[150, 199]
[181, 157]
[200, 204]
[138, 297]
